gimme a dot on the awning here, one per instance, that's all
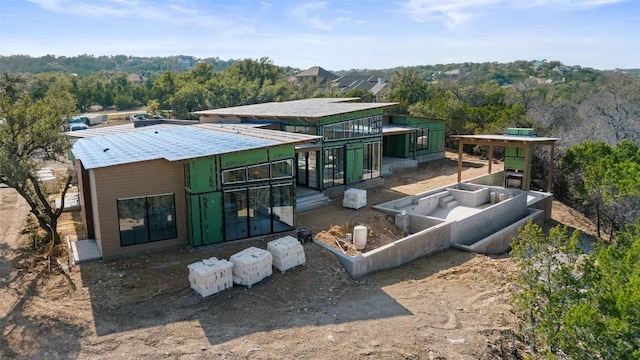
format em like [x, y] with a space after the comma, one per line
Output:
[395, 130]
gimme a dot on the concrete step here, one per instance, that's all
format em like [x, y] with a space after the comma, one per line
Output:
[311, 201]
[451, 204]
[446, 199]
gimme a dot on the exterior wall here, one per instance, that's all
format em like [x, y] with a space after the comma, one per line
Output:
[398, 145]
[134, 180]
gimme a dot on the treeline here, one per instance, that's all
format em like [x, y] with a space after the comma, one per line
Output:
[84, 65]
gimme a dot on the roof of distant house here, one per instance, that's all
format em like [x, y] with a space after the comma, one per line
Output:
[350, 82]
[306, 109]
[316, 71]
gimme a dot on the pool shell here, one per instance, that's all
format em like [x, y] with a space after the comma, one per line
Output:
[459, 215]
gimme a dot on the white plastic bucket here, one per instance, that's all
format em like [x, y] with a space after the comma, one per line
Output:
[360, 237]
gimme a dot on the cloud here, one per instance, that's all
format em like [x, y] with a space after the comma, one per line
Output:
[455, 12]
[307, 14]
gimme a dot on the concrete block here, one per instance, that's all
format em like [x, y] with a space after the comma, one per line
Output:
[251, 265]
[287, 253]
[210, 276]
[354, 198]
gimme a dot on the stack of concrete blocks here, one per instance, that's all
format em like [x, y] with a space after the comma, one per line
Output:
[210, 276]
[251, 265]
[354, 199]
[287, 253]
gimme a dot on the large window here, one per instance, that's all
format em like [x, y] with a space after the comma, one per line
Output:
[333, 167]
[146, 219]
[371, 161]
[421, 140]
[258, 210]
[351, 129]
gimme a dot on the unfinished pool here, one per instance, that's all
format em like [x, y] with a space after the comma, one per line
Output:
[468, 216]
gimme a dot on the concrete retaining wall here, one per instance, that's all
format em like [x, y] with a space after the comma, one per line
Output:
[473, 228]
[500, 241]
[398, 253]
[471, 197]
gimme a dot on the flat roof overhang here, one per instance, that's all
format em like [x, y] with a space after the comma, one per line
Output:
[396, 130]
[508, 140]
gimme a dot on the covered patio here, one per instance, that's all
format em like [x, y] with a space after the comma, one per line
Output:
[525, 142]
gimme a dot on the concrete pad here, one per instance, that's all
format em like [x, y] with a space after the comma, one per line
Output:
[85, 250]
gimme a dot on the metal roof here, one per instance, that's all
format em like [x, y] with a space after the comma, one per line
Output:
[301, 109]
[397, 129]
[175, 142]
[504, 139]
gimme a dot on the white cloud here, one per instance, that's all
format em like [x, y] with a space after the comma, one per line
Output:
[456, 12]
[307, 14]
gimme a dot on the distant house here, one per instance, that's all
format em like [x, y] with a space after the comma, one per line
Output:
[371, 83]
[316, 75]
[136, 78]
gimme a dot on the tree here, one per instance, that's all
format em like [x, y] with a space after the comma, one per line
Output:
[545, 283]
[406, 87]
[578, 306]
[605, 179]
[30, 136]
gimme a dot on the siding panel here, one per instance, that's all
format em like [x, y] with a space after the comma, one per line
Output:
[135, 180]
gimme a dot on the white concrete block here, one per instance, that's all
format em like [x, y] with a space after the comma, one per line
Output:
[287, 253]
[354, 198]
[251, 265]
[210, 276]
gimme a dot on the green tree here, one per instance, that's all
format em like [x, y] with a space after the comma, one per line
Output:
[545, 283]
[578, 306]
[406, 87]
[29, 136]
[606, 180]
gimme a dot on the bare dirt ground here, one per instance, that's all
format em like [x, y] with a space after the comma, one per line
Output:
[452, 305]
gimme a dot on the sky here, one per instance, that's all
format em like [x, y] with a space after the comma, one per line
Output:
[336, 35]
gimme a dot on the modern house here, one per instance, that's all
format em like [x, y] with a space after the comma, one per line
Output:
[354, 137]
[235, 173]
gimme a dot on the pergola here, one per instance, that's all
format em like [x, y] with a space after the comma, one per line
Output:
[507, 141]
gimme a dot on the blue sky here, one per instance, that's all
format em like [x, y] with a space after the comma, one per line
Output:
[337, 35]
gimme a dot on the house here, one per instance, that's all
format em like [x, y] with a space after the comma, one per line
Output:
[317, 75]
[148, 187]
[354, 137]
[235, 173]
[371, 83]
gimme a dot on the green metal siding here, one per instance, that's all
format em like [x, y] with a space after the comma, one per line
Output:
[397, 145]
[202, 175]
[244, 158]
[354, 164]
[281, 152]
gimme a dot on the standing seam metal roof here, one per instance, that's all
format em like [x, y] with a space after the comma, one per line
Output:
[302, 109]
[173, 143]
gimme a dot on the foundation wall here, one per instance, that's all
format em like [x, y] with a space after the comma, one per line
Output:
[471, 229]
[471, 197]
[500, 242]
[401, 252]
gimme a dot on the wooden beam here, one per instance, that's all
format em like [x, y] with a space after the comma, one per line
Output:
[525, 171]
[550, 179]
[490, 157]
[459, 161]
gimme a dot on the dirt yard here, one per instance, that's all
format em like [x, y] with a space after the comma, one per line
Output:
[452, 305]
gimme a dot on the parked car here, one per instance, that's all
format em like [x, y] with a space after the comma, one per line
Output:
[77, 123]
[138, 117]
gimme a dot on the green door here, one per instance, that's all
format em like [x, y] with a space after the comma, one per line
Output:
[354, 163]
[211, 215]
